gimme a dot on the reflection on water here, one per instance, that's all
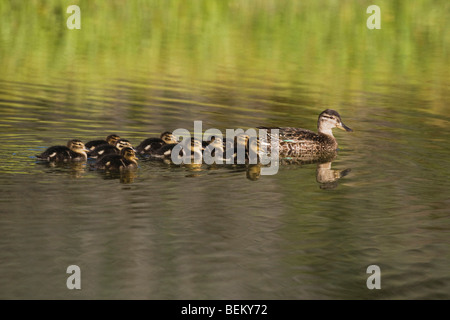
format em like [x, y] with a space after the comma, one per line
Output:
[165, 231]
[325, 176]
[226, 231]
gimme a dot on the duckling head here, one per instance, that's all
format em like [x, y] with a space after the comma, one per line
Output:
[328, 120]
[112, 139]
[216, 142]
[123, 143]
[77, 146]
[242, 140]
[129, 154]
[168, 137]
[196, 145]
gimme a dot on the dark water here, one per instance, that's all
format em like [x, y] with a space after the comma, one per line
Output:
[178, 232]
[171, 232]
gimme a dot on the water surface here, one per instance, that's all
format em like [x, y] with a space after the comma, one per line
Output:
[177, 232]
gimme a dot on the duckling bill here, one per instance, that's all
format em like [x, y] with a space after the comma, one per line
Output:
[74, 151]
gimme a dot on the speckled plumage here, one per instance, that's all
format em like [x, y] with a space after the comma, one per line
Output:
[294, 142]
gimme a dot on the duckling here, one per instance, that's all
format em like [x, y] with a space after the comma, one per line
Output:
[296, 141]
[125, 160]
[111, 139]
[194, 149]
[105, 149]
[242, 149]
[214, 148]
[151, 144]
[74, 151]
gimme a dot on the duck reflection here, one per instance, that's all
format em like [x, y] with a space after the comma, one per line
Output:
[326, 177]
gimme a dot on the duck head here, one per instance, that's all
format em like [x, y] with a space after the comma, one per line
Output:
[328, 120]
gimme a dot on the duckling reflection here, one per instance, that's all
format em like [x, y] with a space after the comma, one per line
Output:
[194, 169]
[76, 169]
[124, 176]
[253, 171]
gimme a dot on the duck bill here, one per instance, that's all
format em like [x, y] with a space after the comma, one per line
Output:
[344, 127]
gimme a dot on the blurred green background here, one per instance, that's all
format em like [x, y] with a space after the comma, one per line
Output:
[324, 43]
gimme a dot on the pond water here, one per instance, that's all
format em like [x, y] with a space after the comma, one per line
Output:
[165, 231]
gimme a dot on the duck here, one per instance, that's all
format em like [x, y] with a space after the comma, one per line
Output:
[150, 145]
[125, 160]
[111, 139]
[298, 141]
[105, 149]
[75, 150]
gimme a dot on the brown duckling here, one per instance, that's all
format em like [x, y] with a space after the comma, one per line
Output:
[150, 145]
[74, 151]
[249, 147]
[111, 139]
[105, 149]
[195, 147]
[125, 160]
[214, 147]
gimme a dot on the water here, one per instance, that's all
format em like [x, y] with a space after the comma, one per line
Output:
[176, 232]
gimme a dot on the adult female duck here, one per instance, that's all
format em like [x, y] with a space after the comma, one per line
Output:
[296, 141]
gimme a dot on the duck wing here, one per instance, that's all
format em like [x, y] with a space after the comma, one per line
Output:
[293, 135]
[149, 145]
[91, 145]
[55, 153]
